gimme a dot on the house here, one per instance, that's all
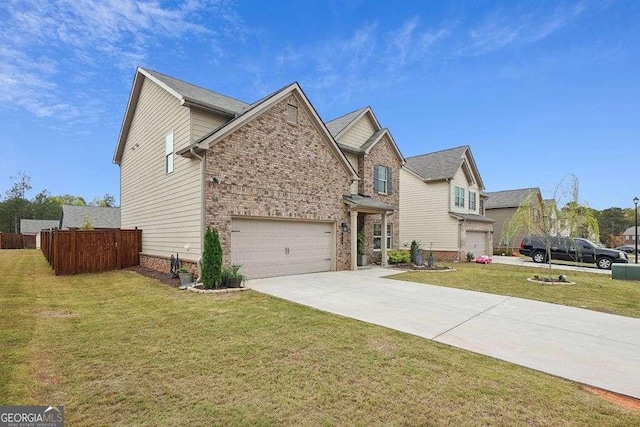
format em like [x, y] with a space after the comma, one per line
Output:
[629, 236]
[268, 175]
[31, 227]
[501, 206]
[442, 204]
[89, 217]
[374, 154]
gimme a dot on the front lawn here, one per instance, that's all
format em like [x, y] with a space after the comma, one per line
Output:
[592, 291]
[121, 349]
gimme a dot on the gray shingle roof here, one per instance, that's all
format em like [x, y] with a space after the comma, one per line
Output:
[471, 217]
[508, 198]
[439, 165]
[200, 95]
[76, 217]
[367, 202]
[336, 126]
[630, 231]
[32, 226]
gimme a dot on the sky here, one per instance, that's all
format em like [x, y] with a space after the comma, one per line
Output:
[539, 90]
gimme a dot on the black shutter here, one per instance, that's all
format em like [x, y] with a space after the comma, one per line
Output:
[375, 179]
[389, 181]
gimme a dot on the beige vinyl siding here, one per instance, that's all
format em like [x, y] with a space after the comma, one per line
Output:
[353, 159]
[359, 133]
[203, 123]
[167, 207]
[460, 180]
[424, 214]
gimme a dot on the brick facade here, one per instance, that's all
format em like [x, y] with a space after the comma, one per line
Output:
[382, 154]
[272, 169]
[160, 263]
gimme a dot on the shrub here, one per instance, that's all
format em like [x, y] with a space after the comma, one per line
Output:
[208, 255]
[469, 256]
[399, 256]
[217, 258]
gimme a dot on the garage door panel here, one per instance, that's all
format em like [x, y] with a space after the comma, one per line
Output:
[276, 248]
[476, 243]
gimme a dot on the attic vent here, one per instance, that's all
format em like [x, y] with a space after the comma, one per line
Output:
[292, 114]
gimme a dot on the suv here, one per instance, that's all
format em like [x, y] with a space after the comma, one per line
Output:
[571, 249]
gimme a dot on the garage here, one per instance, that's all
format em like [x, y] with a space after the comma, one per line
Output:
[266, 248]
[477, 243]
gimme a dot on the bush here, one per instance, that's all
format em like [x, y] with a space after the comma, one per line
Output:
[399, 256]
[211, 259]
[470, 256]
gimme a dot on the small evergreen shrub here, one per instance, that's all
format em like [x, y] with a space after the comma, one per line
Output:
[402, 256]
[208, 256]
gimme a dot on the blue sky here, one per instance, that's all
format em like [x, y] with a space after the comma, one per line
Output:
[539, 89]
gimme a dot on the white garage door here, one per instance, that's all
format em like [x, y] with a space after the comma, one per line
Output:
[476, 243]
[278, 248]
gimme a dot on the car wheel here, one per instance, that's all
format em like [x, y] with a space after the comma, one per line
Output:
[604, 263]
[538, 257]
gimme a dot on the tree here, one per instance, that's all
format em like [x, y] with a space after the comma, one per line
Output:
[217, 258]
[208, 255]
[16, 204]
[107, 201]
[68, 199]
[542, 218]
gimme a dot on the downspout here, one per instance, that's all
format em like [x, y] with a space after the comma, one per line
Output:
[202, 202]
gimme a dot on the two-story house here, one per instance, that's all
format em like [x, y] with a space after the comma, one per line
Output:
[442, 205]
[501, 206]
[269, 175]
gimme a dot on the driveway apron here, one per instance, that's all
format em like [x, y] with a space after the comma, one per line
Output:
[597, 349]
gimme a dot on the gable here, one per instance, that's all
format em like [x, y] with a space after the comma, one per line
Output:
[358, 133]
[277, 157]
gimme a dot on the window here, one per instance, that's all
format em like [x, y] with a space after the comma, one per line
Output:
[377, 236]
[472, 200]
[459, 197]
[382, 179]
[481, 206]
[168, 152]
[292, 114]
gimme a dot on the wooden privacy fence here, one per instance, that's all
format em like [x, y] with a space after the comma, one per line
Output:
[17, 241]
[91, 251]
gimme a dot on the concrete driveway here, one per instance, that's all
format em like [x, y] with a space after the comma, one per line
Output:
[526, 262]
[593, 348]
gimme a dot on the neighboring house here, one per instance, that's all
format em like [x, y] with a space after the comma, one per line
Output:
[89, 216]
[629, 236]
[35, 226]
[442, 204]
[501, 206]
[374, 154]
[268, 175]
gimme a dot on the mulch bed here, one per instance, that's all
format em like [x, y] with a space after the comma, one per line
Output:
[411, 266]
[158, 275]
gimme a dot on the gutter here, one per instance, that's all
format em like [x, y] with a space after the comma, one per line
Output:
[187, 102]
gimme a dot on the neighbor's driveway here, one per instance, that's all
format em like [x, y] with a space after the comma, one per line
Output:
[526, 262]
[594, 348]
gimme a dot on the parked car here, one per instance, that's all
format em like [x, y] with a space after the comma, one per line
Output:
[628, 249]
[571, 249]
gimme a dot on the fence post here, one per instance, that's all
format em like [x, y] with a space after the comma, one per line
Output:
[73, 252]
[119, 246]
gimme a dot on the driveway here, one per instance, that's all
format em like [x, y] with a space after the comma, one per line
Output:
[593, 348]
[526, 262]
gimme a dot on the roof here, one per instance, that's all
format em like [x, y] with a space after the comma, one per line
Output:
[336, 126]
[197, 94]
[28, 226]
[442, 165]
[471, 217]
[630, 231]
[509, 198]
[189, 95]
[359, 201]
[77, 216]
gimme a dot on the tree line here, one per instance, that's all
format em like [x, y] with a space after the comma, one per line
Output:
[16, 205]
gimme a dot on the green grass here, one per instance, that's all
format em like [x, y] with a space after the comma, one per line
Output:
[118, 348]
[592, 291]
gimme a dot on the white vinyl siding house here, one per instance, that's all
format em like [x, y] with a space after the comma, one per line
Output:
[167, 207]
[432, 224]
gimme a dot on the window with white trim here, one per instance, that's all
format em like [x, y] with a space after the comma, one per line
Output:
[377, 236]
[168, 152]
[382, 179]
[472, 200]
[459, 200]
